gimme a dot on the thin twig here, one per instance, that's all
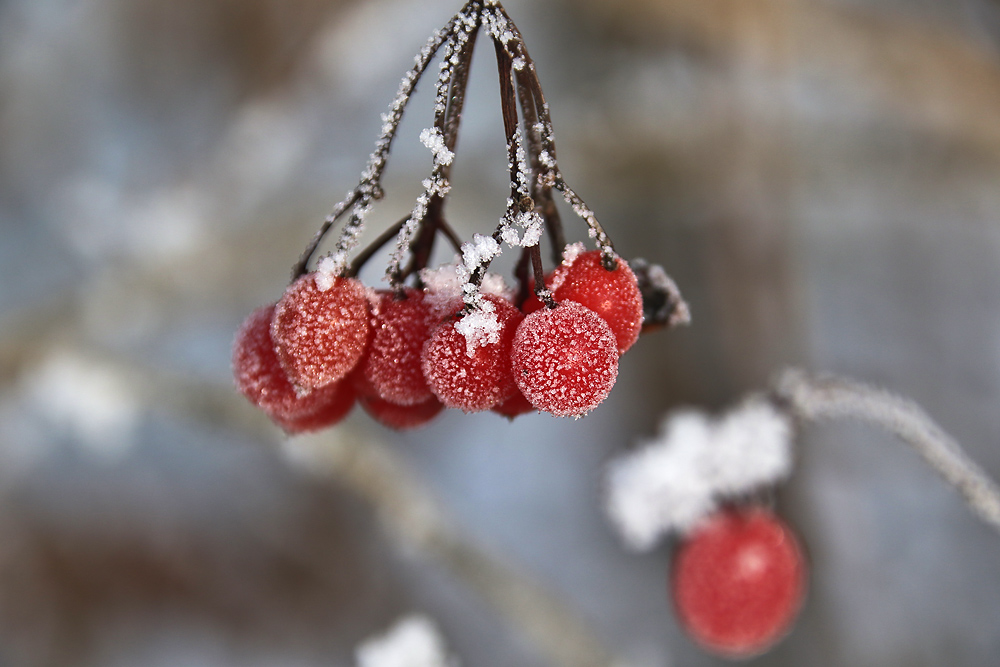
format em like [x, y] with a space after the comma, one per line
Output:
[828, 397]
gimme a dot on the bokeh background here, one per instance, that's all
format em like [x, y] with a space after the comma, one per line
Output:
[821, 177]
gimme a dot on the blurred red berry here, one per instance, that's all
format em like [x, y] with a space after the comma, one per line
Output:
[514, 406]
[738, 582]
[400, 417]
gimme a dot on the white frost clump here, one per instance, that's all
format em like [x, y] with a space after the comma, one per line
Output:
[751, 447]
[480, 327]
[479, 251]
[412, 642]
[678, 478]
[571, 252]
[326, 273]
[444, 286]
[432, 139]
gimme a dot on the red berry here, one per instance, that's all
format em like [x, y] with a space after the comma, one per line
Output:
[260, 377]
[320, 336]
[514, 406]
[392, 365]
[614, 295]
[468, 376]
[330, 405]
[738, 581]
[400, 417]
[565, 359]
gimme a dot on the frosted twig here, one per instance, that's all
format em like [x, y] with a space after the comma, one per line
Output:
[369, 188]
[541, 192]
[826, 397]
[505, 33]
[441, 139]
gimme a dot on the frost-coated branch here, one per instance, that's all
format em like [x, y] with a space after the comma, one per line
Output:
[827, 397]
[370, 188]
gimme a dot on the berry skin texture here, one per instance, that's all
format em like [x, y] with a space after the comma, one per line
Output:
[320, 336]
[477, 382]
[565, 359]
[400, 417]
[261, 379]
[514, 406]
[614, 295]
[400, 327]
[738, 581]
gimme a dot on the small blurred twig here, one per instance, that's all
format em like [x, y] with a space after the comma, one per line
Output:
[829, 397]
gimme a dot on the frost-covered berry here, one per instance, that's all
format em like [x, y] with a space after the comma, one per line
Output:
[320, 335]
[565, 359]
[614, 295]
[262, 380]
[466, 361]
[400, 327]
[738, 582]
[400, 417]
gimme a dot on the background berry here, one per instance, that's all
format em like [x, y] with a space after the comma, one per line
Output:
[738, 581]
[401, 417]
[260, 377]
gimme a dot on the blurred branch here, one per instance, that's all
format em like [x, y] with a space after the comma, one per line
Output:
[408, 512]
[373, 473]
[829, 397]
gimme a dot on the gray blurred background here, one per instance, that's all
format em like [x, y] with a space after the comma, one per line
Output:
[821, 177]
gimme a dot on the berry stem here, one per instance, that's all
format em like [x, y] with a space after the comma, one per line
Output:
[369, 188]
[366, 254]
[541, 192]
[541, 291]
[450, 98]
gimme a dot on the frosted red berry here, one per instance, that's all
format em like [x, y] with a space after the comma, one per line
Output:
[400, 417]
[262, 380]
[738, 582]
[614, 295]
[400, 327]
[565, 359]
[472, 377]
[320, 335]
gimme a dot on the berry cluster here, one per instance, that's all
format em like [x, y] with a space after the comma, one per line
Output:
[405, 355]
[454, 336]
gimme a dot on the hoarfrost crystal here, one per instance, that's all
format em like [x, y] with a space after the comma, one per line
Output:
[673, 481]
